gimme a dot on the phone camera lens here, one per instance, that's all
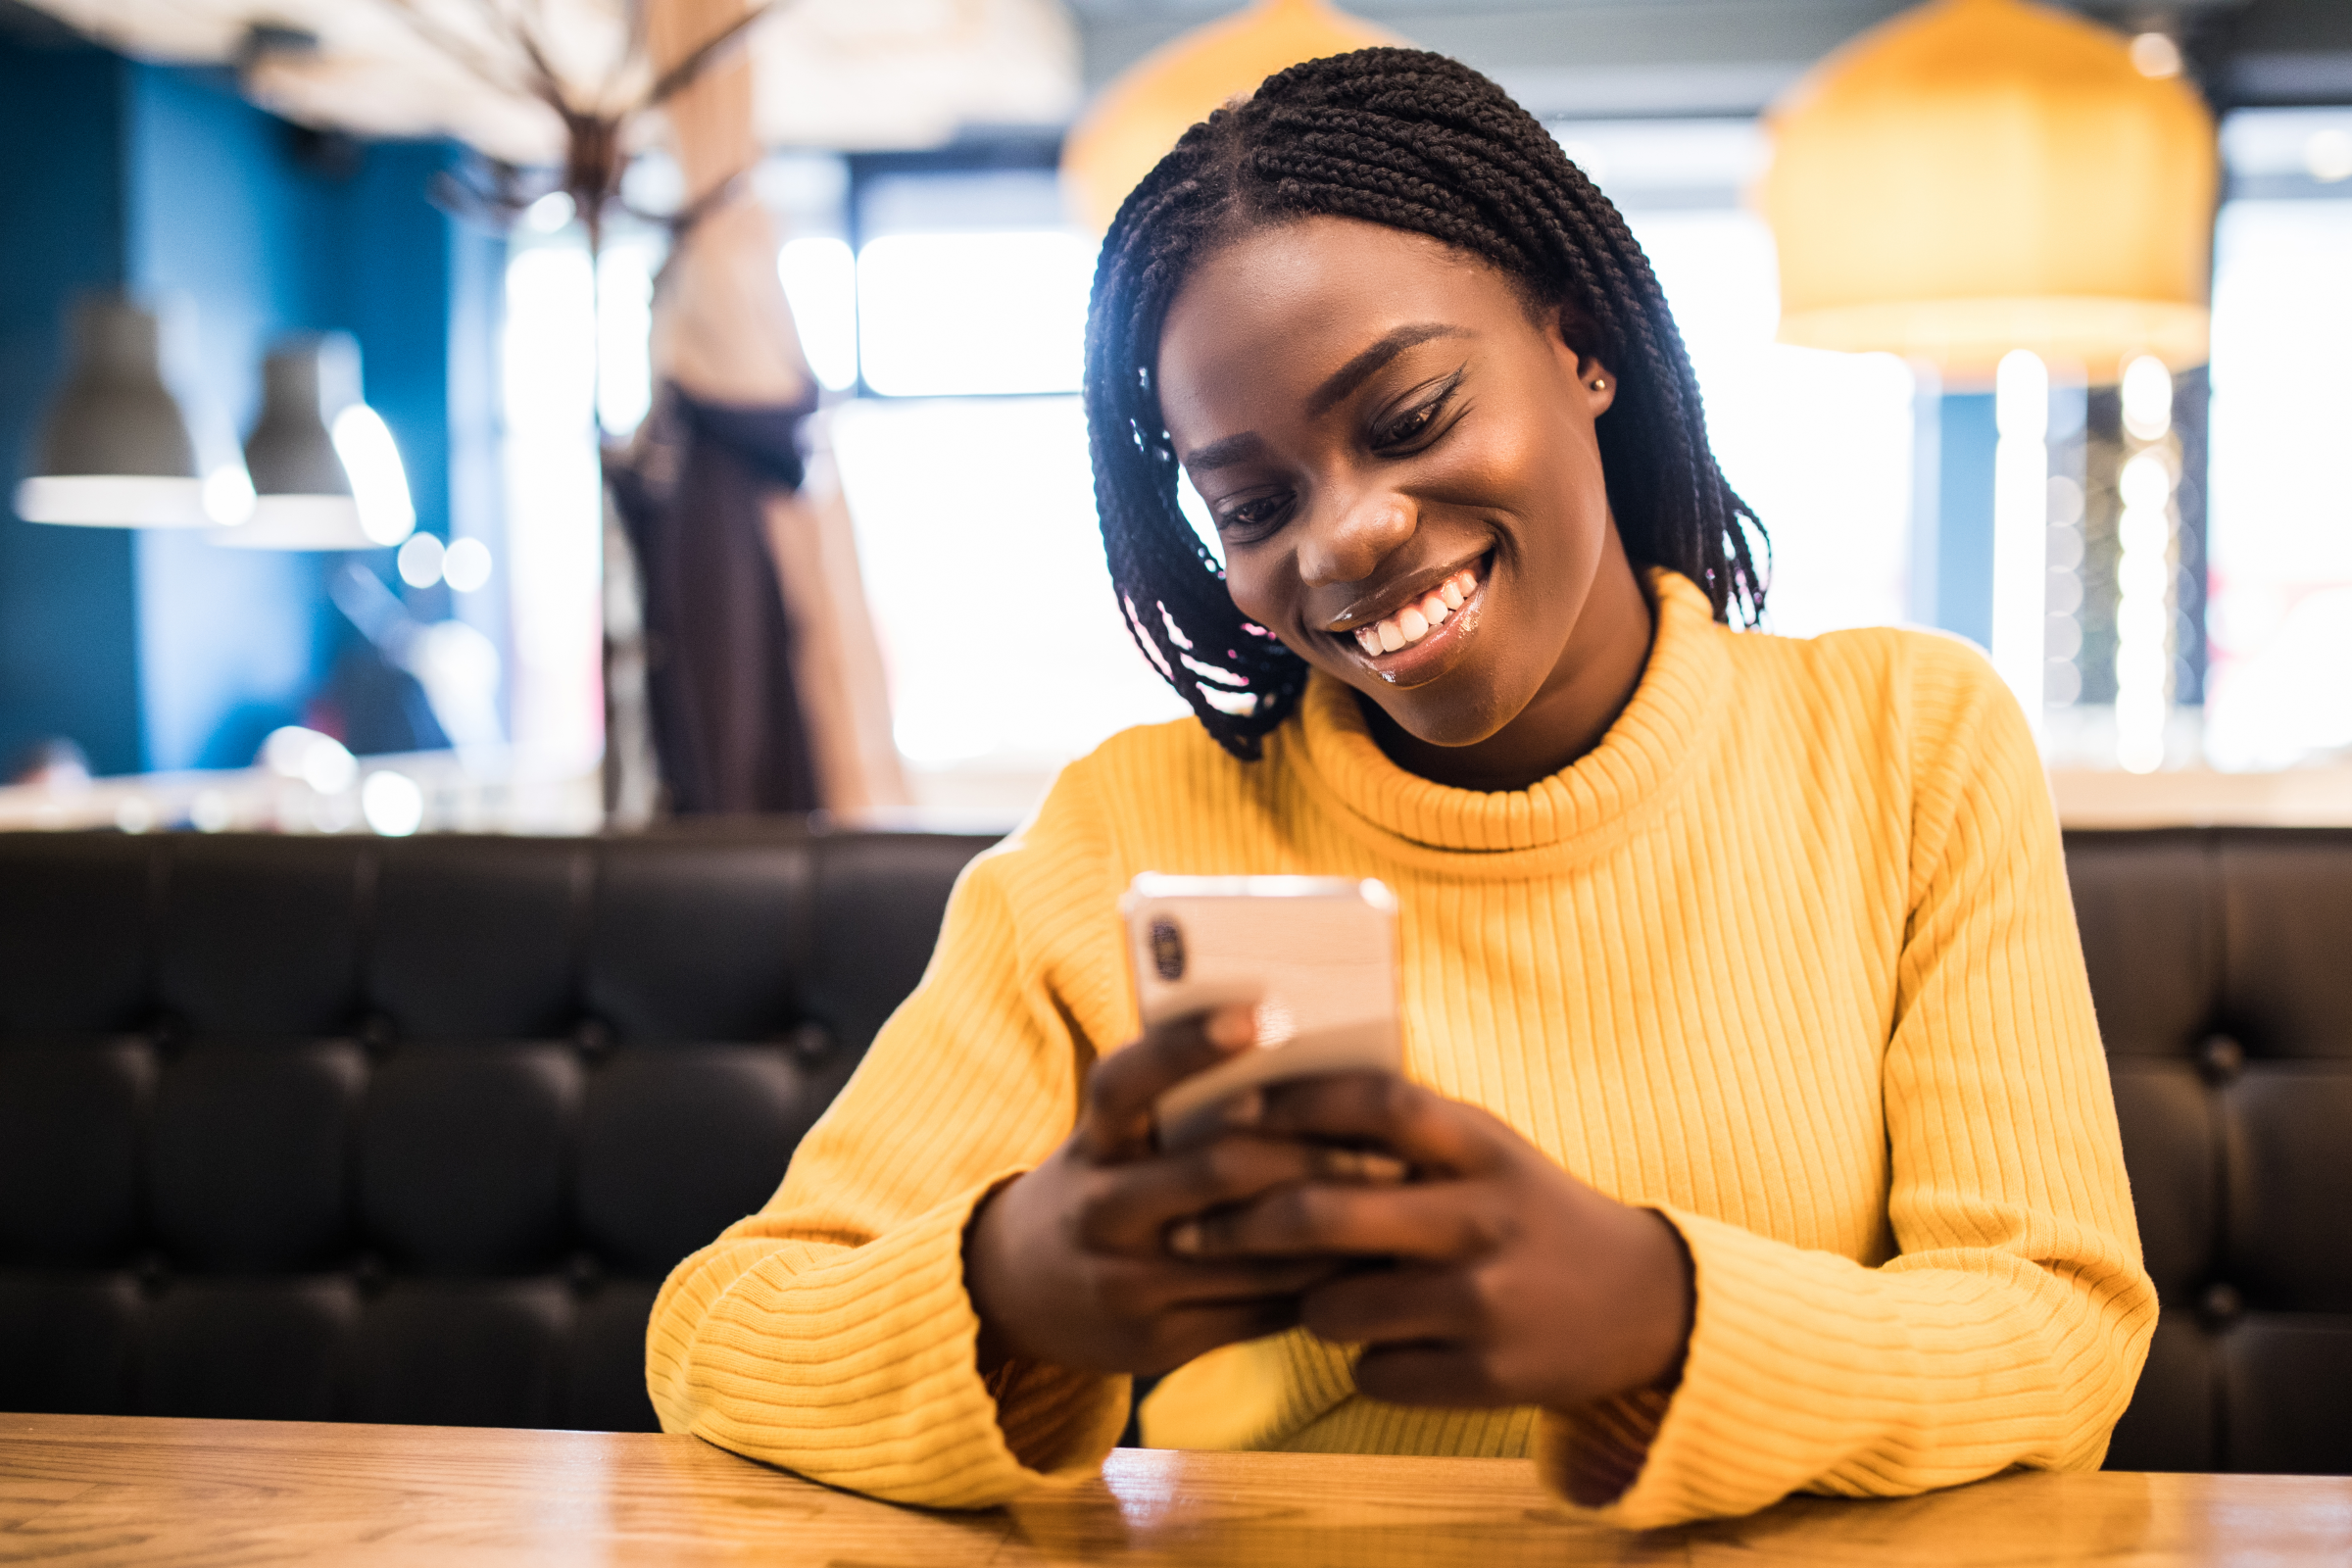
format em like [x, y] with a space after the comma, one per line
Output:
[1167, 950]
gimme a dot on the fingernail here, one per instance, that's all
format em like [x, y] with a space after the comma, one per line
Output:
[1184, 1237]
[1245, 1110]
[1233, 1028]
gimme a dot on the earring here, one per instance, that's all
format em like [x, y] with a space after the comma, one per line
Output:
[1600, 383]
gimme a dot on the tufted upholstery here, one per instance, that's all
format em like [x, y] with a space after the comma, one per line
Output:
[2222, 963]
[412, 1130]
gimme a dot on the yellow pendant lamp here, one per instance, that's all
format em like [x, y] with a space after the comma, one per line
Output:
[1139, 116]
[1981, 176]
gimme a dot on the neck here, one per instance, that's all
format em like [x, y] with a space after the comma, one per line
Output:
[1589, 688]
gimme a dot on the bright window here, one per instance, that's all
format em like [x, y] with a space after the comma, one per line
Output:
[820, 282]
[1819, 444]
[977, 536]
[958, 314]
[2280, 628]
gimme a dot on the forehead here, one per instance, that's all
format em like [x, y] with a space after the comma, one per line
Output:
[1279, 308]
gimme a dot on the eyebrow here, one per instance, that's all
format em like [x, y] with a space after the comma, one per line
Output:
[1357, 371]
[1346, 378]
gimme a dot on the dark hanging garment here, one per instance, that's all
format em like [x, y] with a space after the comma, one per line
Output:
[727, 715]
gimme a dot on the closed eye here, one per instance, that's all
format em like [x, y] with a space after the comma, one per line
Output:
[1252, 518]
[1418, 420]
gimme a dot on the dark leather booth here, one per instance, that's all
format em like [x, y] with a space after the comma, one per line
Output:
[411, 1131]
[2221, 961]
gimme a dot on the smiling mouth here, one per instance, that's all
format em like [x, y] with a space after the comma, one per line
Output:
[1405, 627]
[1414, 640]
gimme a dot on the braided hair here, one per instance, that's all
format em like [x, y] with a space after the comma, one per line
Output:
[1413, 141]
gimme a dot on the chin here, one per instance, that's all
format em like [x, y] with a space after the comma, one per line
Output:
[1435, 716]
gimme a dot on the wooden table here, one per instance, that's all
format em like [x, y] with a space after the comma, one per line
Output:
[98, 1490]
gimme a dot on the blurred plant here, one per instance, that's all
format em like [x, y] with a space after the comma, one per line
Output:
[601, 125]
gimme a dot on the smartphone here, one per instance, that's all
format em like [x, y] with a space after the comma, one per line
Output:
[1316, 954]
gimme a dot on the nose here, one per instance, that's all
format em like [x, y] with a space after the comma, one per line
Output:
[1347, 540]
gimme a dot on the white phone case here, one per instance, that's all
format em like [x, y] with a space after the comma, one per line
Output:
[1317, 955]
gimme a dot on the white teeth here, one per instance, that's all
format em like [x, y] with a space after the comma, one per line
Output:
[1417, 620]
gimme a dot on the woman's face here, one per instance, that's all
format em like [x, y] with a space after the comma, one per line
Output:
[1401, 461]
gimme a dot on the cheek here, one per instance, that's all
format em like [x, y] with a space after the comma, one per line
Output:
[1253, 579]
[1525, 469]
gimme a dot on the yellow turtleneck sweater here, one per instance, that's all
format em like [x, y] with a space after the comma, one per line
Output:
[1789, 957]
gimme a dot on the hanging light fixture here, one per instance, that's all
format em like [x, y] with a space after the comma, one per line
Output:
[1978, 177]
[1138, 118]
[116, 452]
[326, 474]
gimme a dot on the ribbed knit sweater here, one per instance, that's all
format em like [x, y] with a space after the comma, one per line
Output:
[1789, 957]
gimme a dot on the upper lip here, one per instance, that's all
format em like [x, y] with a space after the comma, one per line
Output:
[1389, 598]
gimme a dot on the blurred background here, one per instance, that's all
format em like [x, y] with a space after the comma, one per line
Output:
[549, 415]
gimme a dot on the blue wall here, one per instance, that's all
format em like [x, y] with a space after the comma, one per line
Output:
[68, 610]
[192, 653]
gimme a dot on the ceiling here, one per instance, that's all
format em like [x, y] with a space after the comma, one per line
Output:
[829, 73]
[910, 72]
[1583, 59]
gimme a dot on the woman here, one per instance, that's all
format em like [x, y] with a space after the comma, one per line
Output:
[1761, 1134]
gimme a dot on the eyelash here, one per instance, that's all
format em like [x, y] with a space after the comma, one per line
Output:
[1407, 427]
[1416, 421]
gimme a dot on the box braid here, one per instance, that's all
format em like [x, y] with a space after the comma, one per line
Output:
[1413, 141]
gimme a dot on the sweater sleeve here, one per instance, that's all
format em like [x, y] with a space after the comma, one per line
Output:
[831, 1333]
[2010, 1327]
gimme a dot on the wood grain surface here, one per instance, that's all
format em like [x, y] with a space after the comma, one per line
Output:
[135, 1490]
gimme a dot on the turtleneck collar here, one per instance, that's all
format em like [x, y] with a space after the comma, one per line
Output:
[1662, 726]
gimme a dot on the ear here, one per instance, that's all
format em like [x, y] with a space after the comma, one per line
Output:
[1582, 338]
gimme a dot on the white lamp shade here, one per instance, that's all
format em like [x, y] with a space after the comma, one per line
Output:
[115, 452]
[112, 500]
[326, 474]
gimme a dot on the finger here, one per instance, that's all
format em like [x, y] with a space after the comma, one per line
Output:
[1140, 1289]
[1131, 1206]
[1120, 1091]
[1417, 1124]
[1193, 1332]
[1380, 1305]
[1436, 1222]
[1428, 1374]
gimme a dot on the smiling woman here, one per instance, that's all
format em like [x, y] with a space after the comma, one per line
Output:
[1458, 447]
[1754, 1129]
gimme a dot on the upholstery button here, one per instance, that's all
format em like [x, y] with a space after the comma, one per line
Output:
[585, 1272]
[593, 1040]
[367, 1272]
[811, 1042]
[168, 1035]
[378, 1034]
[153, 1273]
[2221, 1058]
[2221, 1306]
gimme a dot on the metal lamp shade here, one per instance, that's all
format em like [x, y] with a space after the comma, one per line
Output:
[115, 452]
[305, 493]
[1981, 176]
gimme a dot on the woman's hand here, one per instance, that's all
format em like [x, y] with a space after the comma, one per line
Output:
[1500, 1279]
[1070, 1263]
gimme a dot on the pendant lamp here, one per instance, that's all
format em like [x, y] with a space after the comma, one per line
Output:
[115, 452]
[1139, 116]
[326, 472]
[1977, 177]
